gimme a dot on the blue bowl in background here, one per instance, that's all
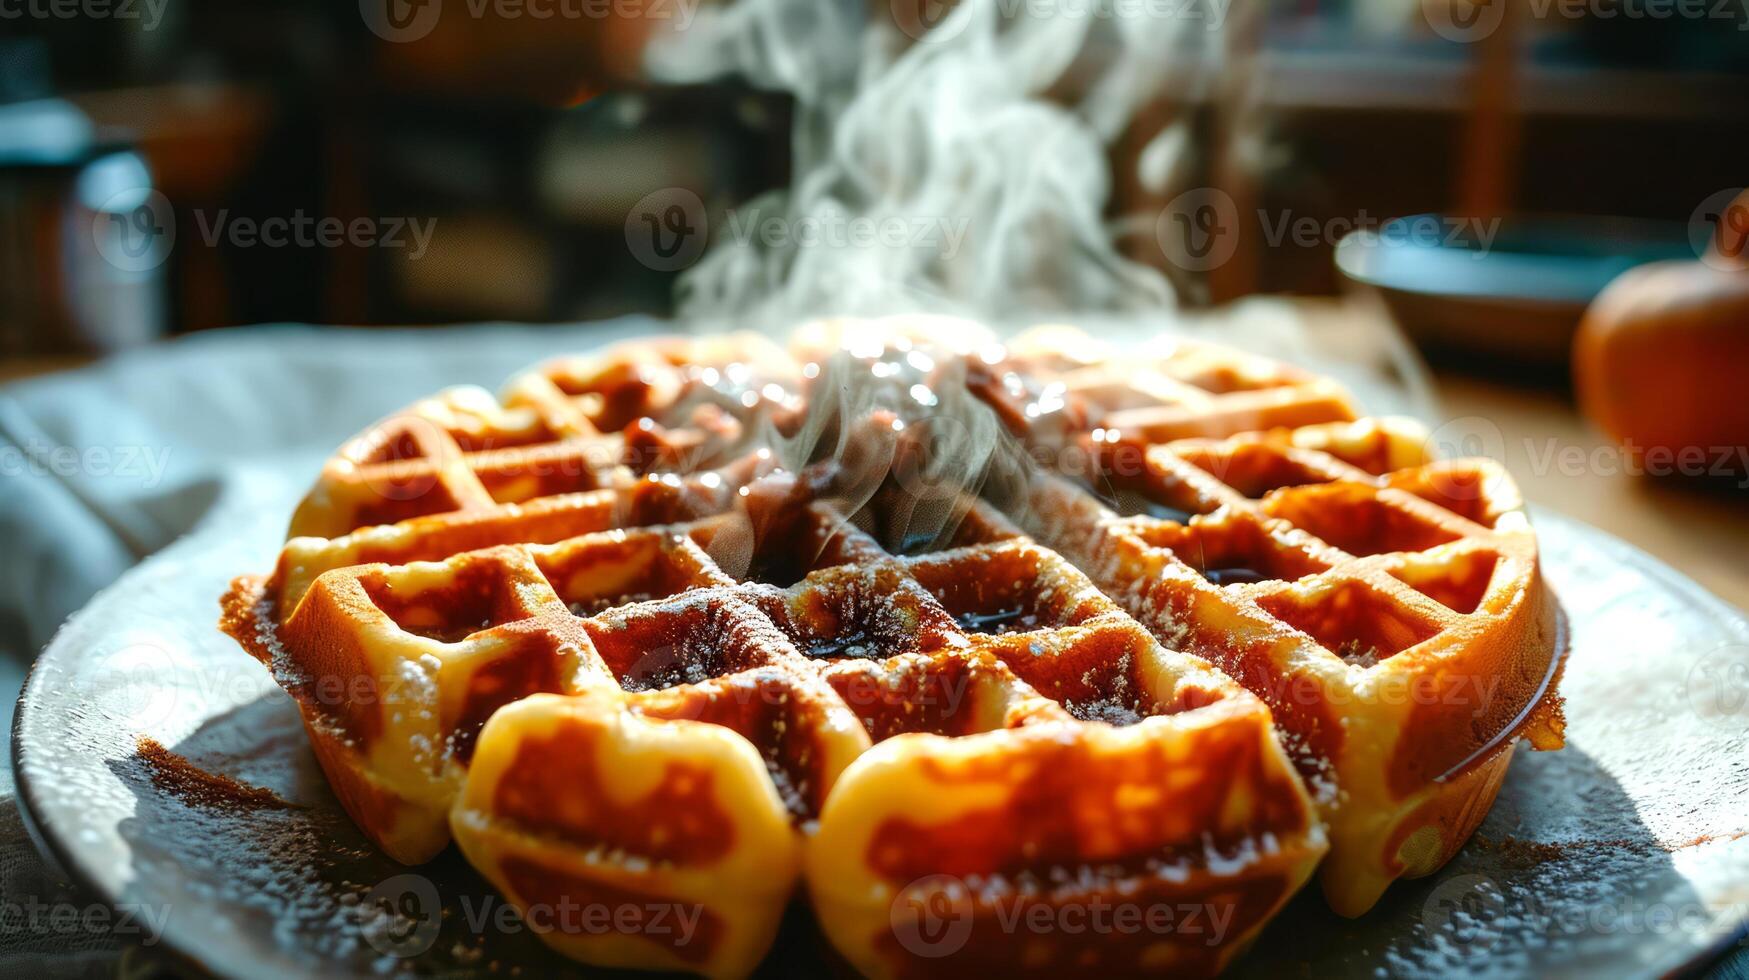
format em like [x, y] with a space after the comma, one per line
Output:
[1502, 288]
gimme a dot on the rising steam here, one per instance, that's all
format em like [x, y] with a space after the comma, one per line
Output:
[974, 156]
[974, 151]
[894, 438]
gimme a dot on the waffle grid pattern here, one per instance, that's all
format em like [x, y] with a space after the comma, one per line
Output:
[611, 572]
[1396, 641]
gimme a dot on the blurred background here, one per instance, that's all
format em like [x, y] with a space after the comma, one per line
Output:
[1351, 110]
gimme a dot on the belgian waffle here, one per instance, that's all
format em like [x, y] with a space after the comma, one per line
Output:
[696, 622]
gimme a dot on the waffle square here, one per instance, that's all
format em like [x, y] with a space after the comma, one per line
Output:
[908, 621]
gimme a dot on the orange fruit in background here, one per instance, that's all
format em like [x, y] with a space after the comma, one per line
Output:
[1661, 362]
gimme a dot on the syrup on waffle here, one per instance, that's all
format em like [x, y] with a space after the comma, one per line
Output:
[696, 622]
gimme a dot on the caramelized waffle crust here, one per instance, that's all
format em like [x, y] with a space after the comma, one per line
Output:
[958, 641]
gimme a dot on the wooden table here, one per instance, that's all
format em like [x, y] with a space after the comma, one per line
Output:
[1560, 461]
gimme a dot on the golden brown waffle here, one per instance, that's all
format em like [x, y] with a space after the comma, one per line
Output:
[1394, 623]
[1387, 606]
[689, 623]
